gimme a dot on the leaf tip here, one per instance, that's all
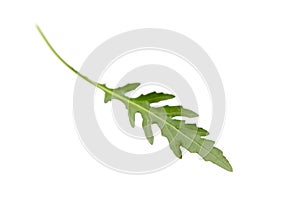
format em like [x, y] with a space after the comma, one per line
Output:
[229, 167]
[193, 114]
[132, 123]
[150, 140]
[137, 84]
[171, 95]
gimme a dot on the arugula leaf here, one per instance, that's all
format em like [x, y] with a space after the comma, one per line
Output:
[178, 132]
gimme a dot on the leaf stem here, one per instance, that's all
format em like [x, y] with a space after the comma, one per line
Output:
[101, 86]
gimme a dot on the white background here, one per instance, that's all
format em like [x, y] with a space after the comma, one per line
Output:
[255, 46]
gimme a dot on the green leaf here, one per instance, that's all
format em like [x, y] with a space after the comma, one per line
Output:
[178, 133]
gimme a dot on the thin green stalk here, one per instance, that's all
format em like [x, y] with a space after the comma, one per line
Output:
[101, 86]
